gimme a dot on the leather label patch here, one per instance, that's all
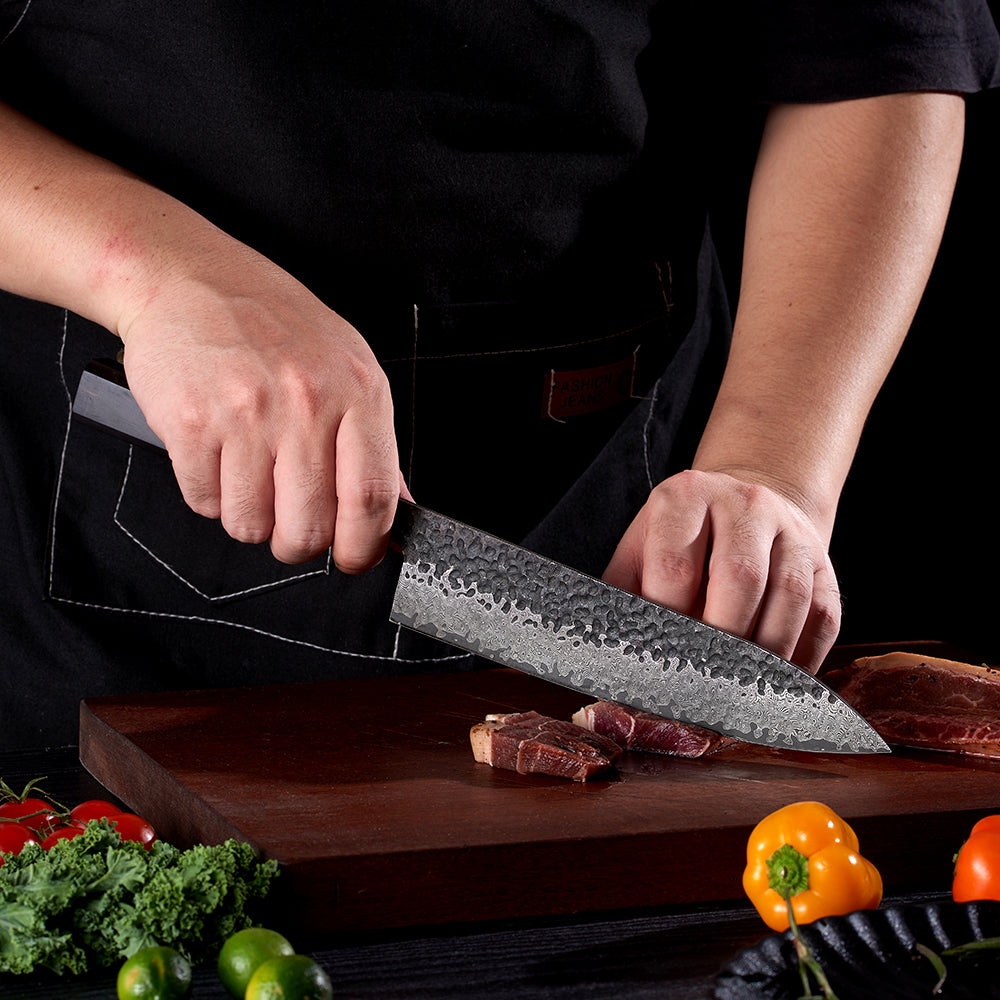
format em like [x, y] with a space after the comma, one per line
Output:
[572, 393]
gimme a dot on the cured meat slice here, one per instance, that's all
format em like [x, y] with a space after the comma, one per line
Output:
[530, 743]
[925, 701]
[633, 729]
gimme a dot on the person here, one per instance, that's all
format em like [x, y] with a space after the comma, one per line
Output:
[457, 254]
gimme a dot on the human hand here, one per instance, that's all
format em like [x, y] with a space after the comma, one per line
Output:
[738, 555]
[275, 413]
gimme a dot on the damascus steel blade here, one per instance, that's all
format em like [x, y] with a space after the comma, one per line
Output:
[520, 609]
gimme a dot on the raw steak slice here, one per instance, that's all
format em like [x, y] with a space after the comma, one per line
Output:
[530, 743]
[633, 729]
[925, 701]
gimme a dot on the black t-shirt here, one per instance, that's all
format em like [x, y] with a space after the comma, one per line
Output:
[460, 148]
[507, 198]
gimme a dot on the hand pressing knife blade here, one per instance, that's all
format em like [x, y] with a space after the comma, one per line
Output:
[520, 609]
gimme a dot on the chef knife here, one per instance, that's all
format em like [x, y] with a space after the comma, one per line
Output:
[520, 609]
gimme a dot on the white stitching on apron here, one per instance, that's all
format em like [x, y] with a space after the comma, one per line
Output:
[17, 23]
[647, 423]
[552, 390]
[62, 453]
[183, 579]
[168, 615]
[256, 631]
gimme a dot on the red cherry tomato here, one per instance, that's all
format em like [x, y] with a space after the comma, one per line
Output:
[13, 836]
[36, 814]
[132, 827]
[92, 809]
[61, 833]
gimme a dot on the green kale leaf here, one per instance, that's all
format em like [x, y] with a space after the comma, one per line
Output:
[94, 900]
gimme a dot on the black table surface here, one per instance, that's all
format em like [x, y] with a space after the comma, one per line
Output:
[667, 953]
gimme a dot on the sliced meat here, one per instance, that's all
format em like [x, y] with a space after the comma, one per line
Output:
[633, 729]
[530, 743]
[925, 701]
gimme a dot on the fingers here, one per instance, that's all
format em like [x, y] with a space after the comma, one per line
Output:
[771, 580]
[738, 556]
[785, 597]
[287, 440]
[292, 499]
[246, 487]
[368, 488]
[197, 474]
[309, 496]
[332, 481]
[662, 555]
[305, 504]
[800, 616]
[625, 568]
[822, 624]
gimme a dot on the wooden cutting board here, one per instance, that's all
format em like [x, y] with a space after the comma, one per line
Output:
[367, 794]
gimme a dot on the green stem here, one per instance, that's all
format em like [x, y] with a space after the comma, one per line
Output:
[939, 967]
[7, 794]
[985, 944]
[959, 951]
[807, 960]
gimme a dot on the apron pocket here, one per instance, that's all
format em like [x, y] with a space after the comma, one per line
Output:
[194, 549]
[121, 539]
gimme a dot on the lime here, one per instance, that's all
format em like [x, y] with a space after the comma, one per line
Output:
[156, 973]
[289, 977]
[243, 951]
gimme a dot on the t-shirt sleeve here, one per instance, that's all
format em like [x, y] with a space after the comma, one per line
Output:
[822, 50]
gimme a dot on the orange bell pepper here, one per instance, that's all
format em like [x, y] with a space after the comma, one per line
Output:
[807, 855]
[977, 865]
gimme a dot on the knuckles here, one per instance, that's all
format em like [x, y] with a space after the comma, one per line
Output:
[675, 565]
[826, 618]
[356, 563]
[372, 499]
[796, 582]
[250, 530]
[744, 571]
[300, 544]
[201, 495]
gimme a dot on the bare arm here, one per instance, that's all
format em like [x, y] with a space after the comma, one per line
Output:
[846, 211]
[276, 414]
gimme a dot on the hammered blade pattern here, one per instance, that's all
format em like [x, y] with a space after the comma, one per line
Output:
[519, 609]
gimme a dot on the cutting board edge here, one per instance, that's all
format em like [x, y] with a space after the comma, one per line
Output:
[108, 755]
[470, 886]
[478, 865]
[631, 872]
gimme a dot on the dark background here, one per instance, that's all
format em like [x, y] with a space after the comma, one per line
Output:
[918, 538]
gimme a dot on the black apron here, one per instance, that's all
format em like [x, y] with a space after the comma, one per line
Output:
[114, 585]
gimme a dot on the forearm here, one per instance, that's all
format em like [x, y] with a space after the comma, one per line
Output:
[80, 232]
[846, 211]
[275, 412]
